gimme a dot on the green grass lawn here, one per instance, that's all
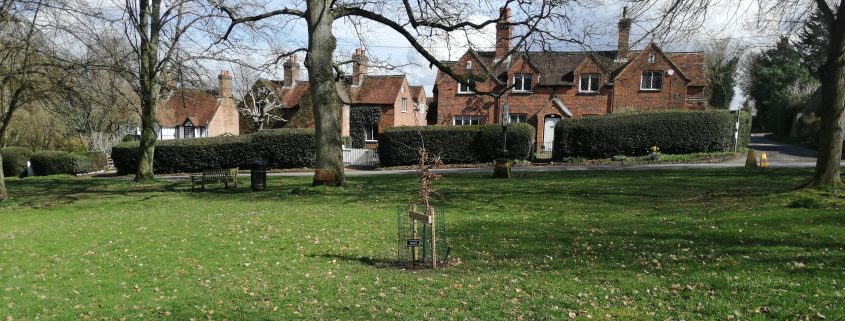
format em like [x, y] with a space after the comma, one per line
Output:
[640, 245]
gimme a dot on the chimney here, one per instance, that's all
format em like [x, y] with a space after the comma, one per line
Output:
[291, 72]
[503, 34]
[225, 86]
[624, 35]
[359, 66]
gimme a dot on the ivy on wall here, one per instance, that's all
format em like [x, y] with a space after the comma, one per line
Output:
[360, 119]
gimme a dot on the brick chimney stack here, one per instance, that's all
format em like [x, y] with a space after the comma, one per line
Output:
[359, 66]
[291, 72]
[503, 34]
[624, 35]
[225, 86]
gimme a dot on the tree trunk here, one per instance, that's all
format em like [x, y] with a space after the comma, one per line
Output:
[3, 195]
[831, 111]
[148, 28]
[326, 103]
[146, 150]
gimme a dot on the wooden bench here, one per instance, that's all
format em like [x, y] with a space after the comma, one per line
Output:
[226, 176]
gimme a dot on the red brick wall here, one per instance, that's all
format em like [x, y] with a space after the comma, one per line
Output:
[625, 95]
[628, 96]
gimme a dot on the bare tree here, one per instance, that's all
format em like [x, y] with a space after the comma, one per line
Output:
[165, 37]
[22, 63]
[259, 104]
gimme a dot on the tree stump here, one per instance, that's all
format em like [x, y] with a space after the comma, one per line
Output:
[751, 159]
[502, 169]
[324, 177]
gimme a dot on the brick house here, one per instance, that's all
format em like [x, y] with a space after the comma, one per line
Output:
[548, 86]
[401, 104]
[190, 113]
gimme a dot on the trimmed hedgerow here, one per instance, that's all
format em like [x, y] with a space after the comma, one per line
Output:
[57, 162]
[281, 148]
[284, 148]
[674, 132]
[14, 160]
[453, 144]
[360, 120]
[520, 140]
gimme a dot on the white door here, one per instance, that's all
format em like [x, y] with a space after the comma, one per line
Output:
[549, 132]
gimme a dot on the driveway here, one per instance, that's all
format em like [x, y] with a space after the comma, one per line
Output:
[781, 154]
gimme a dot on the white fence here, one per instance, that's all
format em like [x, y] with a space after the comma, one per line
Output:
[360, 157]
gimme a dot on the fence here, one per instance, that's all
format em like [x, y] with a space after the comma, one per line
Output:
[360, 157]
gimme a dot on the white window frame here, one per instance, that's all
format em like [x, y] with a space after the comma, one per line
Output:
[590, 79]
[371, 134]
[466, 120]
[404, 105]
[515, 118]
[652, 86]
[465, 89]
[520, 86]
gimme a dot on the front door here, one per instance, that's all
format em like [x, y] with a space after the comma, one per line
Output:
[549, 132]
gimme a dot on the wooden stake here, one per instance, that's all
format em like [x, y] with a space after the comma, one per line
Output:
[433, 238]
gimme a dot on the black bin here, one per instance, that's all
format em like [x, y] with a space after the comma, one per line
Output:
[258, 175]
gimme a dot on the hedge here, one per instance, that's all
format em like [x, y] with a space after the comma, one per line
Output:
[14, 160]
[674, 132]
[57, 162]
[281, 148]
[454, 144]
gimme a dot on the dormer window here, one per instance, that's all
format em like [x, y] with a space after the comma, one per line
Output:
[522, 82]
[589, 83]
[188, 129]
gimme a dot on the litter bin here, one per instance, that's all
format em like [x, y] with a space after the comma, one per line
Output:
[258, 175]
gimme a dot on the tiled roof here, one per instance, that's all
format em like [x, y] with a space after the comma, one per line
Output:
[692, 64]
[378, 90]
[195, 104]
[417, 92]
[557, 67]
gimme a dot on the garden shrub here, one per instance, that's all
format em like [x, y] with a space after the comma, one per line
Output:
[99, 160]
[674, 132]
[453, 144]
[58, 162]
[280, 148]
[14, 160]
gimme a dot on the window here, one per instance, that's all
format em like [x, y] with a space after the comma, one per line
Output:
[404, 105]
[518, 118]
[188, 130]
[522, 82]
[652, 80]
[589, 83]
[651, 58]
[371, 133]
[469, 64]
[465, 120]
[465, 89]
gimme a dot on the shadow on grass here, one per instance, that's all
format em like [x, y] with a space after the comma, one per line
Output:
[365, 260]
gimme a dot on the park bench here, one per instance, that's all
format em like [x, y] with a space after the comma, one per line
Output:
[226, 176]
